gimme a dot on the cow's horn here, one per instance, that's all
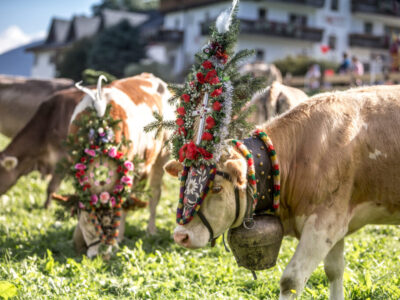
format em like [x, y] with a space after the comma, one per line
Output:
[9, 162]
[100, 103]
[86, 90]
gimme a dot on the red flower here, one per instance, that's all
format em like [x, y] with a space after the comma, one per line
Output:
[210, 122]
[77, 174]
[212, 77]
[91, 160]
[119, 169]
[206, 155]
[119, 155]
[200, 77]
[216, 92]
[181, 111]
[179, 122]
[92, 147]
[182, 131]
[186, 98]
[217, 106]
[207, 64]
[191, 151]
[207, 136]
[83, 159]
[105, 151]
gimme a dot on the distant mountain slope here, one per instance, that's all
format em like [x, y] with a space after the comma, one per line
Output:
[17, 62]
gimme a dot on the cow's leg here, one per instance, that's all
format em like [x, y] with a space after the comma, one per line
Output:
[89, 234]
[155, 183]
[334, 268]
[79, 241]
[52, 187]
[319, 235]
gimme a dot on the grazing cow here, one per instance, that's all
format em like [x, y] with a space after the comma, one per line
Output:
[21, 97]
[259, 69]
[39, 145]
[339, 161]
[277, 99]
[133, 101]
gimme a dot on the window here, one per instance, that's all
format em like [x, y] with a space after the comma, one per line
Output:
[52, 58]
[335, 5]
[298, 20]
[332, 42]
[35, 59]
[262, 13]
[259, 55]
[177, 23]
[368, 26]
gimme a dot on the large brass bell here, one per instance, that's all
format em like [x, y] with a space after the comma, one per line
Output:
[257, 247]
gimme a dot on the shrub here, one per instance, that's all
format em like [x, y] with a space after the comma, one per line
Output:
[299, 65]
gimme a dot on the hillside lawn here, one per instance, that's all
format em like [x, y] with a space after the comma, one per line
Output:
[37, 259]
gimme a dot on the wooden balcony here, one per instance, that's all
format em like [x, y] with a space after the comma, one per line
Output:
[165, 36]
[382, 7]
[368, 41]
[276, 29]
[173, 5]
[315, 3]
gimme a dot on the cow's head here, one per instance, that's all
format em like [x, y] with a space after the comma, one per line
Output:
[8, 172]
[219, 207]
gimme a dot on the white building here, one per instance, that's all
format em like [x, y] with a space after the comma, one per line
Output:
[278, 28]
[63, 33]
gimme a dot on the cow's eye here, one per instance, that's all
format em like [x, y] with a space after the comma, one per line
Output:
[217, 189]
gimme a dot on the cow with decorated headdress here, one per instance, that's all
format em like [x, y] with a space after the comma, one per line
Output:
[337, 170]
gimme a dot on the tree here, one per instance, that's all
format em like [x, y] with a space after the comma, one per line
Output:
[74, 60]
[115, 48]
[130, 5]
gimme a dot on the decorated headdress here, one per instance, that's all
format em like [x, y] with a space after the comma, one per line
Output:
[102, 174]
[210, 109]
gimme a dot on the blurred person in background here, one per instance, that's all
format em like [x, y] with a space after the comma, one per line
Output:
[357, 70]
[345, 65]
[313, 77]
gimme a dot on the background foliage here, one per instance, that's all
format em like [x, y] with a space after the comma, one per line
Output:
[299, 65]
[37, 260]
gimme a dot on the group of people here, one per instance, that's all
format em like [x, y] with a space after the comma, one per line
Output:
[355, 67]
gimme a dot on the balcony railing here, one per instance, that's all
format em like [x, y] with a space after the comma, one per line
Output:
[368, 41]
[171, 5]
[316, 3]
[384, 7]
[165, 36]
[277, 29]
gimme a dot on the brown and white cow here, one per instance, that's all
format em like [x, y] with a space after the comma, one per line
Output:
[339, 157]
[276, 99]
[39, 145]
[133, 100]
[21, 97]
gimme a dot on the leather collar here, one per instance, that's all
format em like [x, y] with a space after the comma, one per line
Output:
[263, 169]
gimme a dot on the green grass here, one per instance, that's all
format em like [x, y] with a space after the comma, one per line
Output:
[37, 260]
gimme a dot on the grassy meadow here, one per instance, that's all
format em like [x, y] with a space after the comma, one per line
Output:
[37, 260]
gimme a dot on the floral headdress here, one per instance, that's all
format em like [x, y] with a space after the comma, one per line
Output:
[210, 109]
[103, 176]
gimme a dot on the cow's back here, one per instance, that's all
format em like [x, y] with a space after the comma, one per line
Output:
[21, 97]
[342, 143]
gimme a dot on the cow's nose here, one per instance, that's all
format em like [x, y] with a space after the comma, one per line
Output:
[182, 239]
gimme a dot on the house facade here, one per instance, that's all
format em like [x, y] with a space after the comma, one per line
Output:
[63, 33]
[322, 29]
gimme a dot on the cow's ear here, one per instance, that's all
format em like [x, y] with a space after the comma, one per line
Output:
[236, 167]
[9, 162]
[173, 168]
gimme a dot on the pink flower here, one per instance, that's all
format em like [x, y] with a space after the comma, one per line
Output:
[126, 180]
[112, 201]
[104, 196]
[112, 152]
[80, 166]
[128, 165]
[94, 199]
[118, 188]
[90, 152]
[81, 205]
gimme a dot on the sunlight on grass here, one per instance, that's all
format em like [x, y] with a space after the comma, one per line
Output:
[37, 258]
